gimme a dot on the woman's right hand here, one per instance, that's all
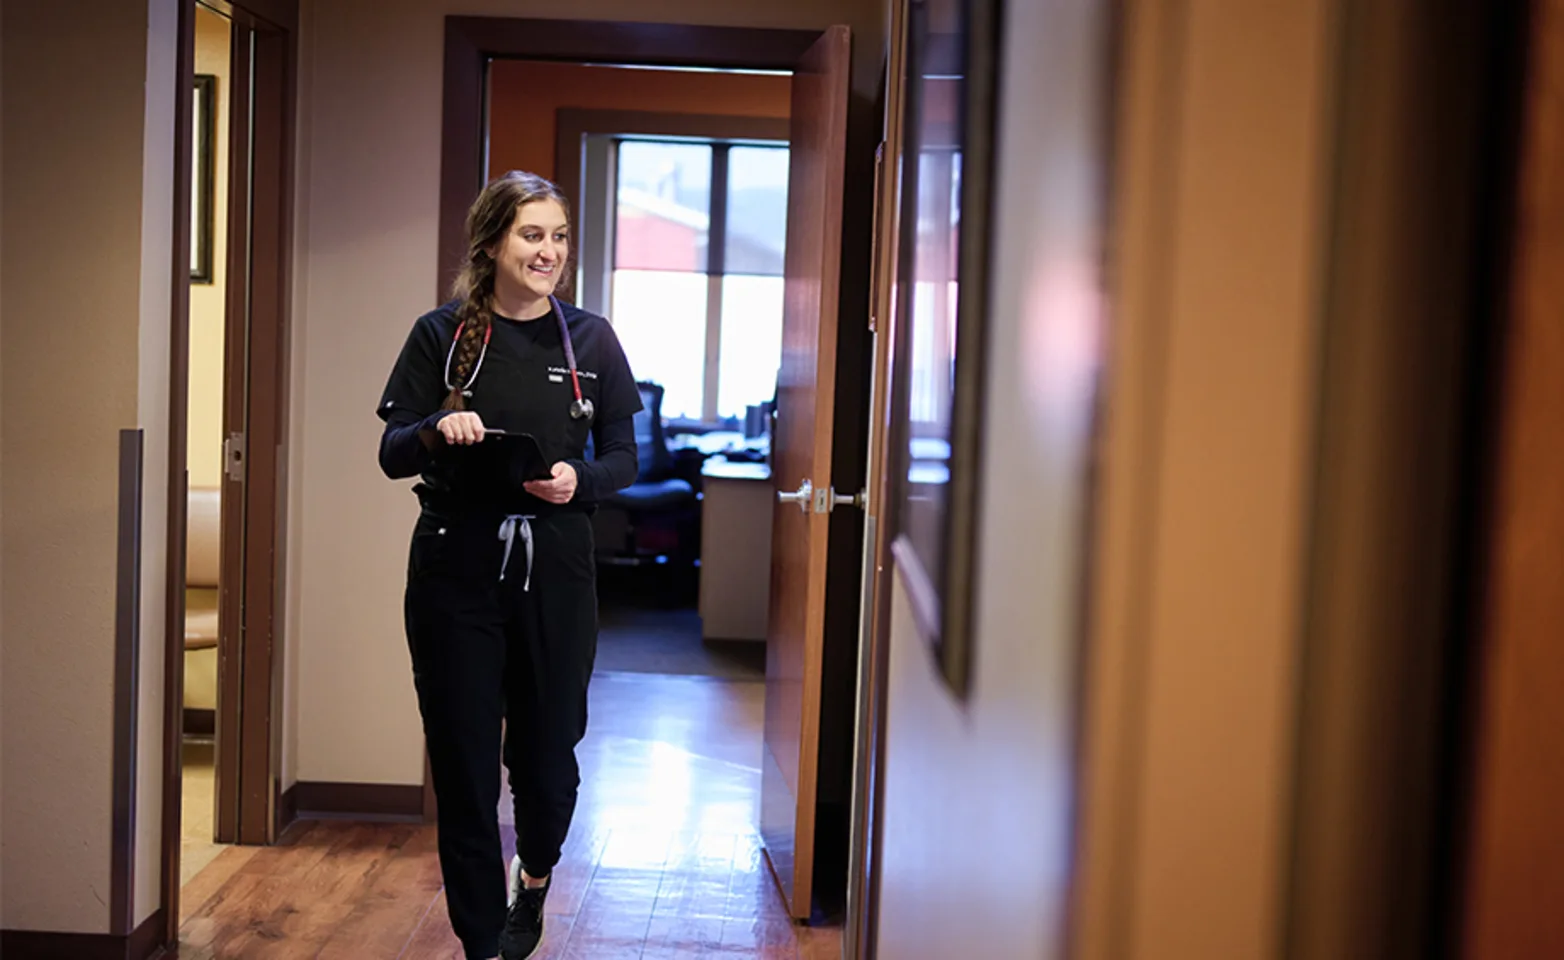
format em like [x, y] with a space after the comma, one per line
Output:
[463, 427]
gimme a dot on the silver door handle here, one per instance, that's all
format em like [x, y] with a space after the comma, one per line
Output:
[802, 496]
[859, 499]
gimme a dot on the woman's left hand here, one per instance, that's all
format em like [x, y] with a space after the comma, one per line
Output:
[558, 490]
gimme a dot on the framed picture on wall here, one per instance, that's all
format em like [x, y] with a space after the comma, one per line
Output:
[952, 53]
[203, 150]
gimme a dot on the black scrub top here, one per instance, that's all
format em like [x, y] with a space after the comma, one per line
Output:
[523, 386]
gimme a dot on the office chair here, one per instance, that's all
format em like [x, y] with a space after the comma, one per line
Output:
[655, 519]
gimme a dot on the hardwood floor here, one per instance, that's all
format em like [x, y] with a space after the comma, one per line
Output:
[663, 861]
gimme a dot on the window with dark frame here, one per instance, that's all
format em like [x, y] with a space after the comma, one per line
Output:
[695, 269]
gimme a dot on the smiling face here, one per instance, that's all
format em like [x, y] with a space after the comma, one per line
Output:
[531, 257]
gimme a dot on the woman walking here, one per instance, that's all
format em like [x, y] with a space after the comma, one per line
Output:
[491, 403]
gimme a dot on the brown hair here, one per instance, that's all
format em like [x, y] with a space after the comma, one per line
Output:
[492, 214]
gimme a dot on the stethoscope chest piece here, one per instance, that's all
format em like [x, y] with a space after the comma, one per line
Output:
[581, 409]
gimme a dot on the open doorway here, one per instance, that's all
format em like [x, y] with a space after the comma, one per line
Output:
[679, 179]
[209, 276]
[679, 183]
[782, 752]
[692, 273]
[227, 449]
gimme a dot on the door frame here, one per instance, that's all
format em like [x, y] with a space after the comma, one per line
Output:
[1500, 844]
[252, 775]
[470, 42]
[863, 886]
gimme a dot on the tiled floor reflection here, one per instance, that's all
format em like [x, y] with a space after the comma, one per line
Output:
[196, 848]
[663, 861]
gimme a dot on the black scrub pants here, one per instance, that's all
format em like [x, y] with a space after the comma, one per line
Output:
[487, 650]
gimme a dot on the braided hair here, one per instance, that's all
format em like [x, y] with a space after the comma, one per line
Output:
[491, 216]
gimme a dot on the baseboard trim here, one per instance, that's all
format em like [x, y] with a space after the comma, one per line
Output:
[287, 808]
[39, 945]
[307, 800]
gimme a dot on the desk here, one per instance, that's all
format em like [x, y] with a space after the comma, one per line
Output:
[735, 549]
[718, 442]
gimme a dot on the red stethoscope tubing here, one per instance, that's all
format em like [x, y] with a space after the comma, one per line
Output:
[578, 410]
[570, 348]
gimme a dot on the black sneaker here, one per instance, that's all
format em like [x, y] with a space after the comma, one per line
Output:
[523, 932]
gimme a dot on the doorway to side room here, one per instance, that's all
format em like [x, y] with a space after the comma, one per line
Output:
[666, 194]
[227, 448]
[679, 182]
[691, 276]
[209, 269]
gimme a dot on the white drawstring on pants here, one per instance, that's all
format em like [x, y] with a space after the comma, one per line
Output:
[508, 529]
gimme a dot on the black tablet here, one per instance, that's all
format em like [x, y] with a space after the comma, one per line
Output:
[523, 455]
[501, 457]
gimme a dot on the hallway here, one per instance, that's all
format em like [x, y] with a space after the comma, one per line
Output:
[663, 861]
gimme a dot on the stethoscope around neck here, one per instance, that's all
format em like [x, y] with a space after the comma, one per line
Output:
[580, 407]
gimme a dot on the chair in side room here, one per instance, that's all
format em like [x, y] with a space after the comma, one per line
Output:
[655, 520]
[203, 561]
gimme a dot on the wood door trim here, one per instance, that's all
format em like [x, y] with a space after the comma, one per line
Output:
[471, 41]
[165, 928]
[882, 485]
[230, 672]
[876, 646]
[278, 14]
[1510, 842]
[802, 451]
[825, 424]
[258, 739]
[265, 437]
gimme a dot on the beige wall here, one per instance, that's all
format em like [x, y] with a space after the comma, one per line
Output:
[978, 794]
[205, 450]
[157, 263]
[86, 227]
[304, 114]
[369, 195]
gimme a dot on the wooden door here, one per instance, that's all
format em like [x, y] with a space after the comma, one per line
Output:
[259, 91]
[236, 362]
[801, 465]
[874, 636]
[254, 425]
[1513, 883]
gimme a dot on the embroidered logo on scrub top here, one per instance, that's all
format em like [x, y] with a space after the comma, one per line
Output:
[557, 374]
